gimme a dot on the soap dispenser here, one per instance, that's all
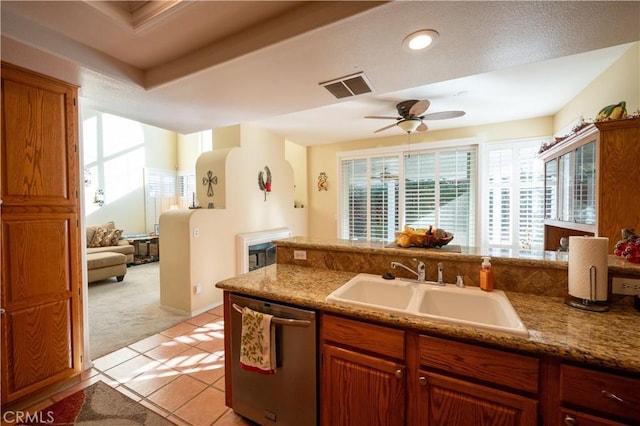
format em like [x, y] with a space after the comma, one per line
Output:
[486, 275]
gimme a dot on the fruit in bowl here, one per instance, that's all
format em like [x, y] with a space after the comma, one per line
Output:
[427, 237]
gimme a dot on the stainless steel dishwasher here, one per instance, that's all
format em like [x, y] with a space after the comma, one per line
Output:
[288, 397]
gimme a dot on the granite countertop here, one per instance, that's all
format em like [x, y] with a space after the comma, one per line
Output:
[610, 339]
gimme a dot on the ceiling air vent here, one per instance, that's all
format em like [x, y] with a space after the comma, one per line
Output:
[350, 85]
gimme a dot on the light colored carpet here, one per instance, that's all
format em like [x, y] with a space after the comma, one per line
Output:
[121, 313]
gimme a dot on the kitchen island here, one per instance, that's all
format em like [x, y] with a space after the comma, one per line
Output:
[560, 339]
[609, 339]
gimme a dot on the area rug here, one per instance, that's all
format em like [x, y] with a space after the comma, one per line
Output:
[98, 404]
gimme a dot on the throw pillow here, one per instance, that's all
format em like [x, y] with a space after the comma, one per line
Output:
[115, 236]
[91, 230]
[104, 237]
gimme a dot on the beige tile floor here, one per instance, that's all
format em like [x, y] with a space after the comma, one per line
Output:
[178, 373]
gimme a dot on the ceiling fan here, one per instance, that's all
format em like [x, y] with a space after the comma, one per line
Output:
[411, 115]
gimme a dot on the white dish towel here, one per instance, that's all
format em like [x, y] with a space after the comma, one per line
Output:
[257, 344]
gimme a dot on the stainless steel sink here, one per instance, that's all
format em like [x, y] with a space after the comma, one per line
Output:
[469, 306]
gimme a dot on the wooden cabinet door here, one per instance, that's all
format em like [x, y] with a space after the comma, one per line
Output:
[452, 402]
[360, 389]
[40, 241]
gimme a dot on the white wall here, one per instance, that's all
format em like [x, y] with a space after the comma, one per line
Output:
[620, 82]
[296, 155]
[188, 151]
[120, 172]
[211, 256]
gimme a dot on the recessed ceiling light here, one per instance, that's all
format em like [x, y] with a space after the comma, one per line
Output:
[420, 39]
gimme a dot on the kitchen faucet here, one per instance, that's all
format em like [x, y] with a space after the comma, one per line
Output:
[420, 273]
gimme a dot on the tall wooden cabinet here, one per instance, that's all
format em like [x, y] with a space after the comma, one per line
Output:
[591, 182]
[40, 240]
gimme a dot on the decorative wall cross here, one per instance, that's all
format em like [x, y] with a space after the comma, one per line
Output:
[209, 181]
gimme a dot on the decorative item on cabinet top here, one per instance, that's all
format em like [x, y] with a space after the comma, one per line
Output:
[265, 186]
[323, 185]
[611, 112]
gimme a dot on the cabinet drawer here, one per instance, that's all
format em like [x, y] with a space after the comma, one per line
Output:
[603, 392]
[369, 337]
[489, 365]
[575, 418]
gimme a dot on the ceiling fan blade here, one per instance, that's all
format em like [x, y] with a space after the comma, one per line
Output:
[383, 117]
[419, 107]
[404, 107]
[442, 115]
[422, 128]
[385, 127]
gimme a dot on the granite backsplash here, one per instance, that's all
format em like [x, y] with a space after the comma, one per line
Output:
[522, 275]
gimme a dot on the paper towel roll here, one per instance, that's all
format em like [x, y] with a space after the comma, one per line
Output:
[585, 252]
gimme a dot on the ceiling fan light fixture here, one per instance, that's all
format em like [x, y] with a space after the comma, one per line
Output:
[409, 125]
[420, 40]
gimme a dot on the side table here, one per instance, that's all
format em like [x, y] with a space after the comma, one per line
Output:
[147, 249]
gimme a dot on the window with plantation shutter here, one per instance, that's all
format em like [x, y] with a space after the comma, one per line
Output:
[439, 188]
[354, 199]
[370, 198]
[514, 196]
[499, 193]
[383, 198]
[186, 188]
[159, 194]
[382, 193]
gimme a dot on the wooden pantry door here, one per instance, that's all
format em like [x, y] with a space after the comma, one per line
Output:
[41, 321]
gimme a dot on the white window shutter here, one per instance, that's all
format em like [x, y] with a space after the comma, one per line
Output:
[514, 196]
[160, 192]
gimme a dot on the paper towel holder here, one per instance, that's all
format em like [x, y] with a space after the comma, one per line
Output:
[590, 304]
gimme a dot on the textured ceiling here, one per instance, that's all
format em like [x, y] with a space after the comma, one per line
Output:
[208, 64]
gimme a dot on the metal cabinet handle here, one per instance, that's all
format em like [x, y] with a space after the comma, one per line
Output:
[570, 421]
[610, 395]
[399, 374]
[1, 311]
[281, 321]
[614, 397]
[423, 380]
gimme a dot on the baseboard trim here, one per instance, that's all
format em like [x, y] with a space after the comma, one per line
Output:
[192, 314]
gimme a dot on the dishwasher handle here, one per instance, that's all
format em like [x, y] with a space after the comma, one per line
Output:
[281, 321]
